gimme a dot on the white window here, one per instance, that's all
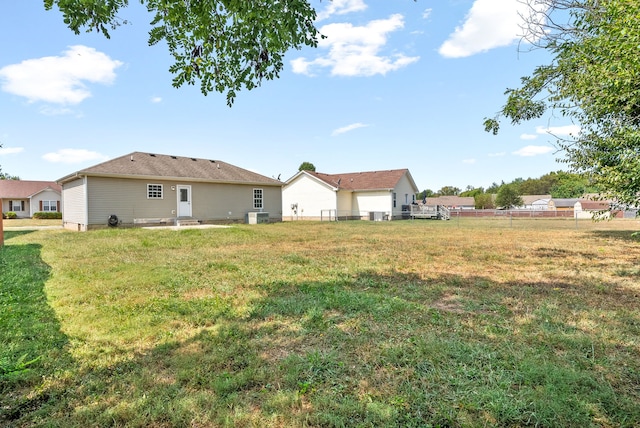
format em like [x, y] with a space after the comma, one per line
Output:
[154, 191]
[394, 199]
[257, 199]
[51, 206]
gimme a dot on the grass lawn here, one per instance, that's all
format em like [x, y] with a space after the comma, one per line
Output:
[360, 324]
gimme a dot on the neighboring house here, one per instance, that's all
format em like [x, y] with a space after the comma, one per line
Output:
[535, 202]
[147, 188]
[585, 208]
[28, 197]
[562, 204]
[374, 195]
[453, 202]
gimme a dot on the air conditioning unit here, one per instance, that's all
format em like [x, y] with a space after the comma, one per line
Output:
[376, 215]
[257, 218]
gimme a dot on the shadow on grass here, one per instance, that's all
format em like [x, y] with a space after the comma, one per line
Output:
[623, 235]
[8, 234]
[32, 346]
[369, 350]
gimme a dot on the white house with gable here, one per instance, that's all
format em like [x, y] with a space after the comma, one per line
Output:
[371, 195]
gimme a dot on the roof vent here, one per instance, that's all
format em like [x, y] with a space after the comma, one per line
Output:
[194, 159]
[173, 157]
[152, 155]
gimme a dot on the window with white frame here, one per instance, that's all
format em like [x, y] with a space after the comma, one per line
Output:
[16, 206]
[51, 206]
[258, 199]
[154, 191]
[394, 199]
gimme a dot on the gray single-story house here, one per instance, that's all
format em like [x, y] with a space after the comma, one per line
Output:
[25, 197]
[148, 188]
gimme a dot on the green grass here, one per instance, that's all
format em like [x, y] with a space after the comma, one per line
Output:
[425, 323]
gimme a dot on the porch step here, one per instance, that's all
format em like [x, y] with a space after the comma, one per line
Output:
[187, 221]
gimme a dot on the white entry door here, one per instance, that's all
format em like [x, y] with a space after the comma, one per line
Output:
[184, 201]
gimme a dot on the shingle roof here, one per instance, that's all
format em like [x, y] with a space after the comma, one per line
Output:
[562, 202]
[594, 205]
[367, 180]
[151, 165]
[23, 189]
[530, 199]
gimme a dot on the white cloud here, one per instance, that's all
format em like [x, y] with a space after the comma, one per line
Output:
[427, 13]
[529, 151]
[559, 130]
[355, 51]
[10, 150]
[469, 161]
[489, 24]
[74, 156]
[156, 100]
[348, 128]
[496, 155]
[341, 7]
[528, 136]
[59, 79]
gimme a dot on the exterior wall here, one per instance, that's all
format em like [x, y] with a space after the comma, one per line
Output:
[47, 195]
[311, 197]
[19, 213]
[365, 202]
[74, 205]
[210, 202]
[405, 195]
[231, 202]
[345, 204]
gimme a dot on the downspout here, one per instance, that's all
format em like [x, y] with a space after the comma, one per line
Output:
[86, 202]
[1, 226]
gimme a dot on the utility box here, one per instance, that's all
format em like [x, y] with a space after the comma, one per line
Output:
[257, 218]
[377, 215]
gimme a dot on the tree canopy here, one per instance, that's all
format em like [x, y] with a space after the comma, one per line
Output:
[592, 80]
[508, 197]
[307, 166]
[224, 45]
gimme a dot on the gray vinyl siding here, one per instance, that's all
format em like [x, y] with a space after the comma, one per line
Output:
[127, 199]
[213, 202]
[74, 203]
[48, 195]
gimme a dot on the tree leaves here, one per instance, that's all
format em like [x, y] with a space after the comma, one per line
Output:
[593, 80]
[222, 45]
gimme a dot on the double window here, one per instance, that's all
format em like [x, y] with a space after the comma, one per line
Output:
[154, 191]
[51, 206]
[258, 201]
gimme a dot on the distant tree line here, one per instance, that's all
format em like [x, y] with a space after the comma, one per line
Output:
[558, 184]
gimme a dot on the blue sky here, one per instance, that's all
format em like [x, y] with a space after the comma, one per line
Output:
[396, 84]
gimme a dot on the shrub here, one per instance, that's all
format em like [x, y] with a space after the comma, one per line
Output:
[48, 215]
[10, 215]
